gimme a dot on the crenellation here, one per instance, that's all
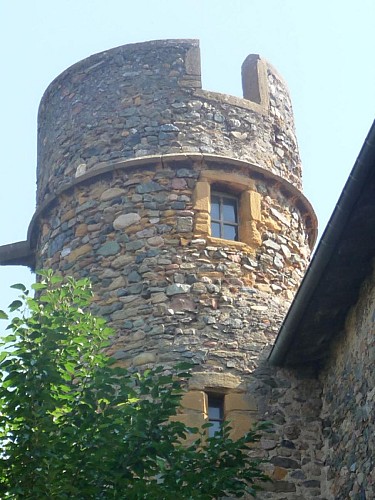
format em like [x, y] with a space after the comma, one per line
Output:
[92, 115]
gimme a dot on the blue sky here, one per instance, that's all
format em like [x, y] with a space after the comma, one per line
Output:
[323, 49]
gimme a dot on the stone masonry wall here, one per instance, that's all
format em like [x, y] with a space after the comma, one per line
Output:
[291, 400]
[349, 405]
[171, 296]
[129, 148]
[168, 294]
[146, 99]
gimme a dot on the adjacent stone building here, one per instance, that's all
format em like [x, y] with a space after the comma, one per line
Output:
[185, 209]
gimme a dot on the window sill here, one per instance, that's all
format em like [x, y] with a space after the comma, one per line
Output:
[228, 243]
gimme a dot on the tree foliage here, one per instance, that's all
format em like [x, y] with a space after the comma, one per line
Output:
[74, 426]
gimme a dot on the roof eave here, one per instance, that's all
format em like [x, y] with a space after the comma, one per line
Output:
[293, 322]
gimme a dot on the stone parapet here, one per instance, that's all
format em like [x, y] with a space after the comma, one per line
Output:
[146, 99]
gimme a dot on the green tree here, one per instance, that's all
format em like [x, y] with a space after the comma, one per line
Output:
[73, 426]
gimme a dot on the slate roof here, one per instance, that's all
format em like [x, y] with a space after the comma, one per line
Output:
[334, 277]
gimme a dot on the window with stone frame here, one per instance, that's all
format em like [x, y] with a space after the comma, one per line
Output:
[227, 207]
[216, 406]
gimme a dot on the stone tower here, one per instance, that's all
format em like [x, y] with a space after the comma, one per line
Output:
[183, 206]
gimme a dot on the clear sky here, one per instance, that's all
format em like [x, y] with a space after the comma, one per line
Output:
[323, 49]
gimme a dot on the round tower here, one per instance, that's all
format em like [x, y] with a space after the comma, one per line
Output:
[183, 206]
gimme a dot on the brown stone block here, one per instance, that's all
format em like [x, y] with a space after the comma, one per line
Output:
[239, 401]
[201, 197]
[249, 279]
[202, 218]
[144, 358]
[202, 228]
[169, 213]
[237, 182]
[263, 287]
[68, 215]
[45, 229]
[250, 206]
[134, 228]
[241, 422]
[255, 236]
[227, 244]
[211, 274]
[210, 380]
[271, 224]
[190, 419]
[255, 206]
[279, 473]
[195, 400]
[82, 198]
[250, 235]
[78, 252]
[81, 230]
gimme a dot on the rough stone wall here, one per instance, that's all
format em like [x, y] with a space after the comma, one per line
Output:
[171, 296]
[284, 141]
[167, 294]
[291, 400]
[146, 99]
[349, 405]
[128, 142]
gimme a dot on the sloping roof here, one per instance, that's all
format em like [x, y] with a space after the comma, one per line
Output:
[333, 279]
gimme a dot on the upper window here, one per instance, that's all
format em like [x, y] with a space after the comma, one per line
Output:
[224, 216]
[227, 207]
[215, 404]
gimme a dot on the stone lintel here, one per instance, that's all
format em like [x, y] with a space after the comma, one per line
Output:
[222, 382]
